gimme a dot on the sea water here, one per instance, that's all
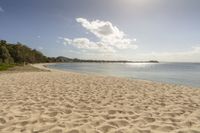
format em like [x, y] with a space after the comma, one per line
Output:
[175, 73]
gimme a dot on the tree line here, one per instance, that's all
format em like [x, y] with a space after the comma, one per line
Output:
[19, 53]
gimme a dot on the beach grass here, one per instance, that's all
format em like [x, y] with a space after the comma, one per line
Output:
[7, 68]
[4, 67]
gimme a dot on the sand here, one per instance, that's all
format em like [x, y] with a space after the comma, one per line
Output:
[65, 102]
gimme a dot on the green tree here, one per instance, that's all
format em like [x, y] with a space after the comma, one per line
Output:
[3, 42]
[4, 54]
[19, 53]
[39, 57]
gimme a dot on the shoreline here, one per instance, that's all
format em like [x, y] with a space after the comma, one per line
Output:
[66, 102]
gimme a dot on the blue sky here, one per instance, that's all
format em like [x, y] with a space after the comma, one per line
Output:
[165, 30]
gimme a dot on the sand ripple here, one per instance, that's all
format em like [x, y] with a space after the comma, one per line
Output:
[56, 102]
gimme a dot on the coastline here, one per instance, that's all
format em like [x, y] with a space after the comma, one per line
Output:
[57, 101]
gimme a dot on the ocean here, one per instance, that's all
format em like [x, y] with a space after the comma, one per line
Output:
[175, 73]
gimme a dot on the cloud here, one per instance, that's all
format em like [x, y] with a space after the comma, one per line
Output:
[40, 48]
[1, 9]
[101, 29]
[107, 33]
[110, 37]
[85, 43]
[81, 43]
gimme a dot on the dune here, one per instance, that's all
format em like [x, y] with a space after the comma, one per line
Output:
[65, 102]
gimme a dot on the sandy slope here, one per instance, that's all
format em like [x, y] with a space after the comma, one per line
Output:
[61, 102]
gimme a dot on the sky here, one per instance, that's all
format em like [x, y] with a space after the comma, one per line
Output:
[164, 30]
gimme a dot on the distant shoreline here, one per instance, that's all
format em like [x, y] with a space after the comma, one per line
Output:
[62, 59]
[104, 62]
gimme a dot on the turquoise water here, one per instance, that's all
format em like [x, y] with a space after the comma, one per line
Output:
[176, 73]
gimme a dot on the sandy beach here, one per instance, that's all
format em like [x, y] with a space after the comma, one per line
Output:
[65, 102]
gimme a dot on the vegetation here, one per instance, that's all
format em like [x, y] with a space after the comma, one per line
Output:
[6, 66]
[19, 53]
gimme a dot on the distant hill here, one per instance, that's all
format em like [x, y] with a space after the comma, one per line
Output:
[63, 59]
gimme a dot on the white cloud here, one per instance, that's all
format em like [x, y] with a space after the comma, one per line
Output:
[110, 37]
[1, 9]
[60, 37]
[101, 29]
[85, 43]
[107, 33]
[81, 43]
[40, 48]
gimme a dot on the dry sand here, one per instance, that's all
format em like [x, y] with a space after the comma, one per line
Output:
[64, 102]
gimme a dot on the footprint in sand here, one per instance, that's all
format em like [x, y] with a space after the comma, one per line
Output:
[2, 121]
